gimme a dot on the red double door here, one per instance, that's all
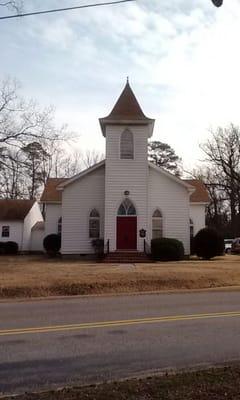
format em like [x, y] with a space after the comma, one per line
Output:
[127, 233]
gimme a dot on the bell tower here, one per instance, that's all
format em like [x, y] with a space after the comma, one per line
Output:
[126, 130]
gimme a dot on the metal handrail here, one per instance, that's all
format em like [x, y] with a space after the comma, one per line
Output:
[107, 247]
[147, 248]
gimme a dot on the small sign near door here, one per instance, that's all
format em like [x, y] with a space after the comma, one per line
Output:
[142, 233]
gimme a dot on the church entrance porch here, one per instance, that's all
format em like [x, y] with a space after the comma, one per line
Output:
[126, 233]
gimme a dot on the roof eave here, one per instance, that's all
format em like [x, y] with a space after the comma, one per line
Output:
[50, 202]
[108, 121]
[199, 203]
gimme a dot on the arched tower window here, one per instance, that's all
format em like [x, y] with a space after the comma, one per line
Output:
[157, 225]
[126, 208]
[59, 226]
[126, 146]
[94, 224]
[191, 225]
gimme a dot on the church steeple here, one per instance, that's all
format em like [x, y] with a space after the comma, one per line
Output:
[126, 111]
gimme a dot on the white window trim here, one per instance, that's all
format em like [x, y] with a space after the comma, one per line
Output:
[94, 218]
[162, 218]
[119, 152]
[6, 226]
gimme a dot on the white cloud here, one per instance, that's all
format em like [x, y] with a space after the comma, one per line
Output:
[182, 58]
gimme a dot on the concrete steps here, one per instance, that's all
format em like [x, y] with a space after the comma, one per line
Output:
[126, 257]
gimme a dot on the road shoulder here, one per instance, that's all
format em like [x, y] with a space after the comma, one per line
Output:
[212, 383]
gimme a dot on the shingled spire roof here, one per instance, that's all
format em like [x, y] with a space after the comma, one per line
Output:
[125, 110]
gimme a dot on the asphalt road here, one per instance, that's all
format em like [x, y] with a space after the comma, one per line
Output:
[53, 343]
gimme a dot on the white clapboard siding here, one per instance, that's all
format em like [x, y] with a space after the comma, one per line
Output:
[197, 214]
[172, 199]
[52, 214]
[33, 216]
[37, 237]
[20, 231]
[125, 175]
[15, 232]
[78, 199]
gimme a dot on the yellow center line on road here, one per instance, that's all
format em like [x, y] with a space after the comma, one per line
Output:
[109, 324]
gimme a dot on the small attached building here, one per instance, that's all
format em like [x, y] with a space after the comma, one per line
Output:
[17, 217]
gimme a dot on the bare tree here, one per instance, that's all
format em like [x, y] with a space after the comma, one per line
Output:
[23, 121]
[16, 5]
[91, 157]
[218, 215]
[30, 144]
[222, 152]
[72, 164]
[12, 177]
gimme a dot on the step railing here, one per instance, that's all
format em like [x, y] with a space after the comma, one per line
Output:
[107, 247]
[147, 248]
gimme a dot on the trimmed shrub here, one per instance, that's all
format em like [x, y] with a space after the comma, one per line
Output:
[52, 244]
[167, 249]
[10, 247]
[208, 243]
[2, 248]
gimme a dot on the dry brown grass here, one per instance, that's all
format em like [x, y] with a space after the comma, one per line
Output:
[27, 276]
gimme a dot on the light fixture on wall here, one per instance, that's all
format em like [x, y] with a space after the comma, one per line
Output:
[217, 3]
[142, 233]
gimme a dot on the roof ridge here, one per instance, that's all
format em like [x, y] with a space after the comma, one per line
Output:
[126, 107]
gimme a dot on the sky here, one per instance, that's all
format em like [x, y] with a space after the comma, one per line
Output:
[182, 58]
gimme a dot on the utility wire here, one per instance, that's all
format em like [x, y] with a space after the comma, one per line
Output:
[65, 9]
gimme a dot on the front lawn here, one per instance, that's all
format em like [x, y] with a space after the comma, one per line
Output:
[31, 276]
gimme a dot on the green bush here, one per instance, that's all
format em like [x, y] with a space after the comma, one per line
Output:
[10, 248]
[208, 243]
[52, 244]
[167, 249]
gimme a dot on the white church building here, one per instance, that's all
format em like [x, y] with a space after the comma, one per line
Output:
[124, 196]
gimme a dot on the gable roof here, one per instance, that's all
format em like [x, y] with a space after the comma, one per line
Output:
[125, 110]
[12, 210]
[200, 195]
[50, 192]
[197, 189]
[53, 189]
[81, 174]
[171, 176]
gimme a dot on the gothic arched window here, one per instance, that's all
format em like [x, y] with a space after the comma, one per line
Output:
[157, 225]
[126, 208]
[126, 145]
[94, 224]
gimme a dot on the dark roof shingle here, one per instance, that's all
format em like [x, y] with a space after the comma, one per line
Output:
[200, 195]
[12, 210]
[127, 107]
[50, 193]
